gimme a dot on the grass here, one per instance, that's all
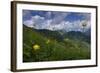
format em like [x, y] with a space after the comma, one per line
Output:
[50, 49]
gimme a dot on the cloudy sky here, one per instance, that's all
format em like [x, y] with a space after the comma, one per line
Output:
[56, 20]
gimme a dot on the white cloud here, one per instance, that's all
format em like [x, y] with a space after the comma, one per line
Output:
[29, 23]
[39, 22]
[59, 26]
[36, 17]
[35, 21]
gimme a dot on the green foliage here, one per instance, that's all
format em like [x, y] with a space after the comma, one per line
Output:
[51, 47]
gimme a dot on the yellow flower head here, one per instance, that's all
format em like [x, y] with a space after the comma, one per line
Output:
[36, 47]
[48, 41]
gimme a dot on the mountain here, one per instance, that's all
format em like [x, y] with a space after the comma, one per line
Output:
[76, 35]
[60, 35]
[53, 45]
[50, 34]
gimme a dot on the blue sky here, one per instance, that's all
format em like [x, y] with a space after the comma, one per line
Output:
[56, 20]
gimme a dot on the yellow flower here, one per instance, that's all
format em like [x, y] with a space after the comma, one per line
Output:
[48, 41]
[36, 47]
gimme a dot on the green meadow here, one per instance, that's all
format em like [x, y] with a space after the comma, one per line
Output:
[46, 45]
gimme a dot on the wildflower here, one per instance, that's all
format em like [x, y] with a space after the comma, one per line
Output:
[36, 47]
[48, 41]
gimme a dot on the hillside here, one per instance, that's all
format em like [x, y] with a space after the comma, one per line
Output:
[60, 35]
[52, 46]
[76, 35]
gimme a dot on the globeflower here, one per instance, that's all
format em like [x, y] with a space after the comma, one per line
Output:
[36, 47]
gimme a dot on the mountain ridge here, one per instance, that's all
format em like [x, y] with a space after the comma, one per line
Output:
[52, 49]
